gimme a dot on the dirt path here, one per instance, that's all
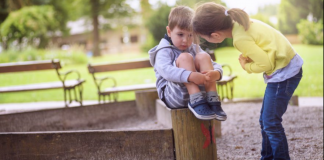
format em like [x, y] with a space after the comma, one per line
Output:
[241, 132]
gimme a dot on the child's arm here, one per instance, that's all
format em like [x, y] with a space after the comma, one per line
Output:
[260, 59]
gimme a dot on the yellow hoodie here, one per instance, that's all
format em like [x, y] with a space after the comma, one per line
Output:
[266, 47]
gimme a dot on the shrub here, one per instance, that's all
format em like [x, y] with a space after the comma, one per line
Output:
[310, 32]
[71, 56]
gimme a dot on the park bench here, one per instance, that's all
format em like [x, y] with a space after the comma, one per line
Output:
[67, 85]
[112, 92]
[225, 85]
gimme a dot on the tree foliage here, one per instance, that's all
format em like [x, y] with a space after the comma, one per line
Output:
[292, 11]
[311, 32]
[31, 23]
[112, 11]
[157, 23]
[62, 11]
[264, 18]
[194, 3]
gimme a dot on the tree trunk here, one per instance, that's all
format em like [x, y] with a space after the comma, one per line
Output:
[95, 23]
[43, 42]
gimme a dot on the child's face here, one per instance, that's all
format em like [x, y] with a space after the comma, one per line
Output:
[182, 39]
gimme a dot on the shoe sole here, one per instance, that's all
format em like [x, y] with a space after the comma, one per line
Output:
[221, 118]
[201, 117]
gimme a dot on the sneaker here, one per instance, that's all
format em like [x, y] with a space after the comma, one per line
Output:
[216, 107]
[201, 110]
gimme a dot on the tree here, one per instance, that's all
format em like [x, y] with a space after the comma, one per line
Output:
[194, 3]
[311, 32]
[146, 9]
[292, 11]
[109, 10]
[32, 23]
[63, 11]
[158, 21]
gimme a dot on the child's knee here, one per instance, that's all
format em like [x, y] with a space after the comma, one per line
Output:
[202, 57]
[184, 58]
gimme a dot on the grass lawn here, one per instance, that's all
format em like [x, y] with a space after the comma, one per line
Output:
[246, 85]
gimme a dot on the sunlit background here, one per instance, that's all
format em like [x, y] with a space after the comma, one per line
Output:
[79, 32]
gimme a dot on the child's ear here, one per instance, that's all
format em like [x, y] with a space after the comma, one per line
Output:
[168, 31]
[215, 35]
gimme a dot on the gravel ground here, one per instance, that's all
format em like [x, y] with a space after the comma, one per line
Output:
[241, 133]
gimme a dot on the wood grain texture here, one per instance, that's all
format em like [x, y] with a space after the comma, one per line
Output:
[28, 66]
[192, 137]
[86, 145]
[41, 86]
[144, 63]
[145, 102]
[92, 117]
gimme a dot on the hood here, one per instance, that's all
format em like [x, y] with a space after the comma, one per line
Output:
[152, 52]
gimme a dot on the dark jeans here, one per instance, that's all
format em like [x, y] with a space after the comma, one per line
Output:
[275, 103]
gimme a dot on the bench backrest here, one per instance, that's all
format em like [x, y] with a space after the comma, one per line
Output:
[125, 65]
[29, 66]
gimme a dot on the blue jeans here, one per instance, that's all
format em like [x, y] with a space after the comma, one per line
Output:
[275, 103]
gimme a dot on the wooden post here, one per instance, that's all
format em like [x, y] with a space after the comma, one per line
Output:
[145, 102]
[193, 138]
[217, 125]
[294, 100]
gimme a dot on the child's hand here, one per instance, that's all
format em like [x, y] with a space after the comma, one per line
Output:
[211, 75]
[197, 78]
[244, 60]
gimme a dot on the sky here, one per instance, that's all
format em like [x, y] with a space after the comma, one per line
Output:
[250, 6]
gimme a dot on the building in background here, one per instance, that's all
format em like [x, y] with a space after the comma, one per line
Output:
[116, 40]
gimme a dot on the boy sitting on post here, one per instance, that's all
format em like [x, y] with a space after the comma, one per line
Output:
[186, 77]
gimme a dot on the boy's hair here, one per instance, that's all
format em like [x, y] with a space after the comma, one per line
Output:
[181, 16]
[210, 17]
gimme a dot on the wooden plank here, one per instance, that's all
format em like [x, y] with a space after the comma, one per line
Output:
[103, 116]
[99, 145]
[217, 127]
[28, 66]
[163, 114]
[193, 138]
[145, 102]
[226, 79]
[40, 86]
[144, 63]
[131, 88]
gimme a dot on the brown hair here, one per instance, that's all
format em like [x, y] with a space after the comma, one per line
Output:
[181, 16]
[210, 17]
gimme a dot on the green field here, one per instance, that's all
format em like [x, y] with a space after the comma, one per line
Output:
[246, 85]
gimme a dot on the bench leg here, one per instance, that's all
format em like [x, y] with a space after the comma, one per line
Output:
[80, 87]
[70, 99]
[66, 105]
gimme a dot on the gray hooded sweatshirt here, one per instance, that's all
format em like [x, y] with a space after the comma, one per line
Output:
[162, 58]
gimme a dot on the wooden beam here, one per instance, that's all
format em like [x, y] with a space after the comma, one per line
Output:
[100, 144]
[145, 102]
[40, 86]
[144, 63]
[89, 117]
[28, 66]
